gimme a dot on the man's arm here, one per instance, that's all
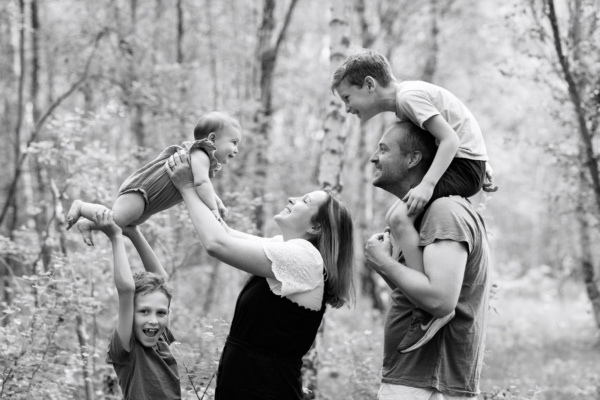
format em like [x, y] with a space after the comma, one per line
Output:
[435, 291]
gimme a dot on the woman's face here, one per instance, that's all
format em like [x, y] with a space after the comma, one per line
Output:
[295, 219]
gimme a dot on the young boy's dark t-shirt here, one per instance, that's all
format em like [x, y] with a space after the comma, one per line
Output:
[145, 373]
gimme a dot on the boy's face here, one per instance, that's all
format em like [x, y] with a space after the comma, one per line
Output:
[227, 142]
[359, 100]
[150, 317]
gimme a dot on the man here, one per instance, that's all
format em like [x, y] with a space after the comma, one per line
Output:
[454, 278]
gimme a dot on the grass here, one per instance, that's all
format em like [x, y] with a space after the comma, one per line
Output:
[539, 346]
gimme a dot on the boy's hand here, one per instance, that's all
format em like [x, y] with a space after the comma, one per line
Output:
[105, 222]
[179, 170]
[418, 197]
[488, 184]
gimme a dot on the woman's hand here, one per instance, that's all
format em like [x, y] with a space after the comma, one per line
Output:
[179, 170]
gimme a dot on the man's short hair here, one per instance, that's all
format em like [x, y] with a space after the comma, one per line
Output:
[416, 139]
[360, 65]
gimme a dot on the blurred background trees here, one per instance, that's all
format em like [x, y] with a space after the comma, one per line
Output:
[92, 90]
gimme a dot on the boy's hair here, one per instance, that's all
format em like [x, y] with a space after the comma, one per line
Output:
[335, 243]
[213, 122]
[150, 282]
[358, 66]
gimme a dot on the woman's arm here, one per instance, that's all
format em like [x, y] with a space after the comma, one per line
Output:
[246, 255]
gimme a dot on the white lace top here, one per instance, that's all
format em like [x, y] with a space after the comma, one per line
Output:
[298, 269]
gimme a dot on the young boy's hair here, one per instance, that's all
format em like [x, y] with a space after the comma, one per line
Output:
[149, 282]
[360, 65]
[213, 122]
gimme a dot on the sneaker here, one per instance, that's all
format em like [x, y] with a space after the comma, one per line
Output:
[423, 327]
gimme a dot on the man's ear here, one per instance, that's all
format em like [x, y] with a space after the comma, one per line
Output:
[414, 158]
[212, 136]
[371, 83]
[315, 229]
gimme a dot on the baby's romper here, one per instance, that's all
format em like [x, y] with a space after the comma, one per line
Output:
[154, 184]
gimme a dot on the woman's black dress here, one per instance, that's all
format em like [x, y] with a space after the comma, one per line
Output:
[269, 335]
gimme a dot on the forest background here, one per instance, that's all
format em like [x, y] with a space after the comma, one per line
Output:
[93, 89]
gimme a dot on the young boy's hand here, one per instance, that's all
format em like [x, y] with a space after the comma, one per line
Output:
[417, 198]
[105, 222]
[131, 230]
[488, 184]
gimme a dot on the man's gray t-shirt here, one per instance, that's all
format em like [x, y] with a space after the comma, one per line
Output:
[451, 362]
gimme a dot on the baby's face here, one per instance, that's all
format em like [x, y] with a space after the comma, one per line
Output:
[227, 143]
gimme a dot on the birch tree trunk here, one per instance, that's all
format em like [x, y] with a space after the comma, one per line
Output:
[335, 130]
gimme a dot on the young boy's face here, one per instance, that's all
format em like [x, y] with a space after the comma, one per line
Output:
[359, 100]
[150, 318]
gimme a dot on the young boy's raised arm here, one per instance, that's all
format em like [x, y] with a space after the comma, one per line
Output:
[122, 275]
[149, 259]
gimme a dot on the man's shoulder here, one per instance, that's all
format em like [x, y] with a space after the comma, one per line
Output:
[456, 206]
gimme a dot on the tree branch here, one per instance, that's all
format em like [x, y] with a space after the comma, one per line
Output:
[40, 123]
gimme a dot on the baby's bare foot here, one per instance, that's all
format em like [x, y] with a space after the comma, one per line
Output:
[74, 213]
[85, 227]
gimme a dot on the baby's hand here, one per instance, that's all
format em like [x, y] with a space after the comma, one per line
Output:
[417, 198]
[488, 184]
[105, 222]
[223, 211]
[217, 215]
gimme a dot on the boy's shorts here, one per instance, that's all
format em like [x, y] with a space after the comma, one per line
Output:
[464, 177]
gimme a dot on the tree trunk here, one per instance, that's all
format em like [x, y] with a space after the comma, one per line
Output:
[576, 98]
[587, 263]
[432, 58]
[266, 53]
[335, 130]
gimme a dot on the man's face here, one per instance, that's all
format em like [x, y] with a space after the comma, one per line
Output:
[391, 166]
[358, 100]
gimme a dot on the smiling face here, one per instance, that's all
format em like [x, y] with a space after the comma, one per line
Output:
[359, 101]
[295, 220]
[391, 165]
[151, 317]
[227, 142]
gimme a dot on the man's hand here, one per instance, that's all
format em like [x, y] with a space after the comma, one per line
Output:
[488, 184]
[378, 250]
[179, 170]
[418, 197]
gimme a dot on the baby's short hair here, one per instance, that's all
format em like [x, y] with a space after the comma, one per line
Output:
[358, 66]
[150, 282]
[214, 121]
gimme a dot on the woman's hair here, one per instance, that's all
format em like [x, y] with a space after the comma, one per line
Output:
[150, 282]
[358, 66]
[335, 243]
[213, 122]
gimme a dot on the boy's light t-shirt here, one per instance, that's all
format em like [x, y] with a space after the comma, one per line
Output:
[145, 373]
[418, 101]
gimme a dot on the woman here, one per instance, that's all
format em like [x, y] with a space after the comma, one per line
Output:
[294, 276]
